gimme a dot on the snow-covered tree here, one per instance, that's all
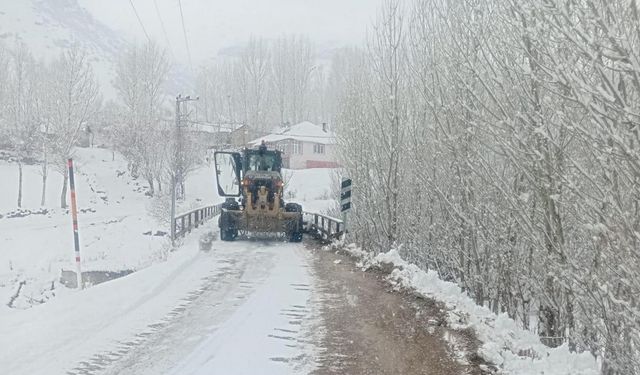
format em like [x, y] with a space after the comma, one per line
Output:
[255, 64]
[75, 97]
[517, 175]
[22, 120]
[140, 80]
[265, 84]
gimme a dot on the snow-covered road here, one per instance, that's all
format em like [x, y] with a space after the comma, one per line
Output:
[236, 308]
[246, 315]
[259, 321]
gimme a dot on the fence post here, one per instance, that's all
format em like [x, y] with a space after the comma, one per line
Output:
[182, 228]
[196, 213]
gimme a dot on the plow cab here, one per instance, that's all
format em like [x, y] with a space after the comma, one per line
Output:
[252, 182]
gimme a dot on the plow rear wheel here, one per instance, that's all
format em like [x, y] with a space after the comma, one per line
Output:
[295, 237]
[295, 230]
[228, 234]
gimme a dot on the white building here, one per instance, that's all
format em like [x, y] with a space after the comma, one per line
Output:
[305, 145]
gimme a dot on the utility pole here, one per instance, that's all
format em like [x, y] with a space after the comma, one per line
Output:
[231, 122]
[177, 175]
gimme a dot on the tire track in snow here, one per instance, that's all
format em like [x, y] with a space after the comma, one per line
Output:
[219, 282]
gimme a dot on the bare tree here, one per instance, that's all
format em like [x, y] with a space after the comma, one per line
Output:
[267, 83]
[22, 117]
[140, 79]
[279, 75]
[4, 90]
[300, 66]
[76, 98]
[255, 60]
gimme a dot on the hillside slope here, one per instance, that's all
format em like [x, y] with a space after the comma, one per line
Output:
[117, 230]
[48, 26]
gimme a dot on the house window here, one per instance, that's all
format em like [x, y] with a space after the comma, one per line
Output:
[296, 147]
[318, 148]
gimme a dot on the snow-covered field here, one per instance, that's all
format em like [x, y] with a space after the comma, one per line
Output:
[116, 230]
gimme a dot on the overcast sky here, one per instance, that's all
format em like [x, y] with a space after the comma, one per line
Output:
[213, 25]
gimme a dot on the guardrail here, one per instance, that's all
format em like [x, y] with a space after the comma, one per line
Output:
[323, 227]
[184, 223]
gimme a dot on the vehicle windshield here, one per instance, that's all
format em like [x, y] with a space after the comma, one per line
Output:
[262, 162]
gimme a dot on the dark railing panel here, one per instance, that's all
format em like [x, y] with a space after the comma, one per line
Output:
[324, 227]
[187, 221]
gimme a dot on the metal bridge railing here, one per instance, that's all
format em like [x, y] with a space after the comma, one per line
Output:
[184, 223]
[323, 227]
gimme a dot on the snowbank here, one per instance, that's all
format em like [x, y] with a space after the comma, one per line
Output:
[512, 349]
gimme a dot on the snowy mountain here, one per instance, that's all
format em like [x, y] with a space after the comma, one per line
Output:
[49, 26]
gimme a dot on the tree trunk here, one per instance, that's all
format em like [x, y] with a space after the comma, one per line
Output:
[19, 182]
[151, 189]
[43, 199]
[63, 196]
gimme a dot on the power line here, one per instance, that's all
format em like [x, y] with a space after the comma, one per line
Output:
[164, 30]
[139, 20]
[186, 40]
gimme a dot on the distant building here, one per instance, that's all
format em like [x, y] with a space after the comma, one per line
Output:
[305, 145]
[242, 135]
[210, 135]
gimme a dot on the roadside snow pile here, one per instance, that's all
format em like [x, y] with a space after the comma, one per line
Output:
[512, 349]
